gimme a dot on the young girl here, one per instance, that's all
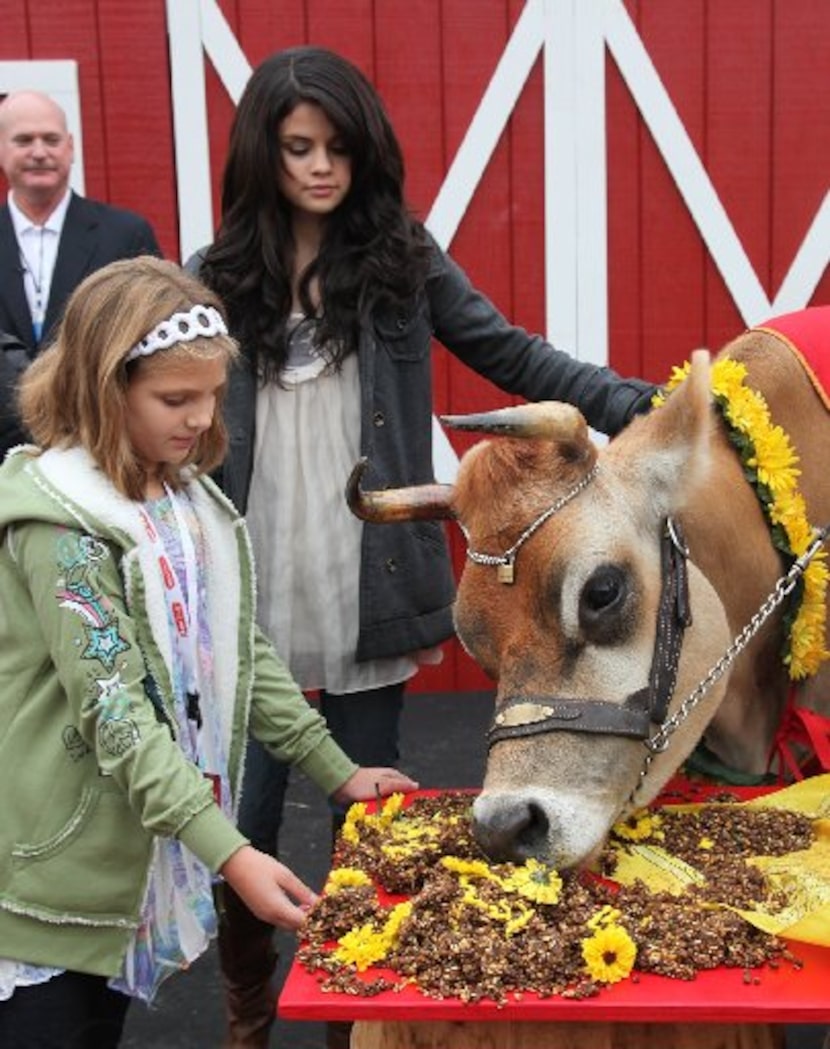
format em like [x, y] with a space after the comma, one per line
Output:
[131, 669]
[335, 292]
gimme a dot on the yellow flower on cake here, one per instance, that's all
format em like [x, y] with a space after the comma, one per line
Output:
[520, 920]
[606, 915]
[536, 881]
[356, 812]
[350, 834]
[397, 916]
[361, 947]
[609, 954]
[345, 878]
[639, 826]
[467, 868]
[392, 807]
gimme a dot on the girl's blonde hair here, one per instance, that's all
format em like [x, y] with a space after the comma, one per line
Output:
[75, 392]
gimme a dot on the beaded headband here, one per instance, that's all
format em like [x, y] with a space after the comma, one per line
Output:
[200, 322]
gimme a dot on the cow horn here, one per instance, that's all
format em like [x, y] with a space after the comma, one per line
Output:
[551, 419]
[422, 502]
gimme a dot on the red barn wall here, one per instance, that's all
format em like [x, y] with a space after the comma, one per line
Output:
[748, 78]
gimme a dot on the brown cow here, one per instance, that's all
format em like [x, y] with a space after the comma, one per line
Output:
[578, 622]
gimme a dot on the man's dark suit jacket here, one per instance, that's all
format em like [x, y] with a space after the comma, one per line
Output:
[14, 359]
[93, 235]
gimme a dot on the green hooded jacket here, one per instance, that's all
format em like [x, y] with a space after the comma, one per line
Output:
[90, 769]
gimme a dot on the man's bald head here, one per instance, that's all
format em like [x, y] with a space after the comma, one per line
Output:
[30, 104]
[36, 151]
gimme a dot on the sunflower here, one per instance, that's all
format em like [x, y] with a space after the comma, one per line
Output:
[609, 954]
[638, 826]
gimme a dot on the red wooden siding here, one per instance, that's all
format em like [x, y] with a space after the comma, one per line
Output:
[748, 78]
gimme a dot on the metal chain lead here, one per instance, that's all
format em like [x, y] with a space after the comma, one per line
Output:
[782, 589]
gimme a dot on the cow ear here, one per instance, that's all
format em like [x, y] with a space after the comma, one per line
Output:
[669, 450]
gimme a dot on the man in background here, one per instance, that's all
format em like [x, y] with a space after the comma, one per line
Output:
[50, 238]
[14, 358]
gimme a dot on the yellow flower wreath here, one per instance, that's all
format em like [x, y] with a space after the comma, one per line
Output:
[771, 466]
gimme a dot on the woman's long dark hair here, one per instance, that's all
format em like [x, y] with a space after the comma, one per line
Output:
[374, 252]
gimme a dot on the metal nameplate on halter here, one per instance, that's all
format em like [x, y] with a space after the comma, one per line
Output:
[505, 572]
[529, 713]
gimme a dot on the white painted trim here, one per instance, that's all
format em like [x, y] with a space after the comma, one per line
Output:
[560, 174]
[591, 248]
[194, 25]
[229, 61]
[699, 193]
[488, 123]
[190, 126]
[808, 266]
[59, 80]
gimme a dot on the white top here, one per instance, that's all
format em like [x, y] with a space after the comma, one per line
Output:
[305, 539]
[38, 247]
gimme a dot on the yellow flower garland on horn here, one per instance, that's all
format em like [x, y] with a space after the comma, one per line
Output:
[771, 467]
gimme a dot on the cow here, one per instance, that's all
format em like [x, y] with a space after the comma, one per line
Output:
[626, 598]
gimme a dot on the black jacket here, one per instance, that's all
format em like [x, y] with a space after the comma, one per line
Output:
[93, 235]
[14, 359]
[406, 583]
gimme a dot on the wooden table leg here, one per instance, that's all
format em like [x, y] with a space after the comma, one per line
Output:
[508, 1034]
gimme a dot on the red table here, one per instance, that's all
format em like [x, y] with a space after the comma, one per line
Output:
[719, 1003]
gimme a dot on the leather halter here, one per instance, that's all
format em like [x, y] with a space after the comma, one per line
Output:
[520, 716]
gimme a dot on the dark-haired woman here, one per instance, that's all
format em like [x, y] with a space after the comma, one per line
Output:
[335, 291]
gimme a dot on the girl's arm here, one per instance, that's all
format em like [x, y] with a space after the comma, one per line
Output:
[294, 731]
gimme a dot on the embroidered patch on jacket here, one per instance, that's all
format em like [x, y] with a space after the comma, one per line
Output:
[74, 743]
[117, 736]
[77, 558]
[112, 699]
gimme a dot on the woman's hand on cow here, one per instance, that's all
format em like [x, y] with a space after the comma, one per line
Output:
[369, 783]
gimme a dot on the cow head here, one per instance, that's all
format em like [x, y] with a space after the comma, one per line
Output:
[578, 620]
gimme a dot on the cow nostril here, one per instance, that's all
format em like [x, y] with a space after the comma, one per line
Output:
[534, 833]
[513, 831]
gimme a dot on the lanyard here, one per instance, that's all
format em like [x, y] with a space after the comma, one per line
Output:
[38, 285]
[184, 613]
[208, 752]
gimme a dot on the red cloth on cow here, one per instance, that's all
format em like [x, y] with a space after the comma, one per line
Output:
[801, 746]
[807, 334]
[802, 743]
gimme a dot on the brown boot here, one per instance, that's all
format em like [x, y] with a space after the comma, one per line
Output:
[247, 959]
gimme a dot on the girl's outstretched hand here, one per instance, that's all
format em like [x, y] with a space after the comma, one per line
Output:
[268, 887]
[369, 783]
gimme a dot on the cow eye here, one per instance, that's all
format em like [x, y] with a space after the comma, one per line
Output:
[603, 594]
